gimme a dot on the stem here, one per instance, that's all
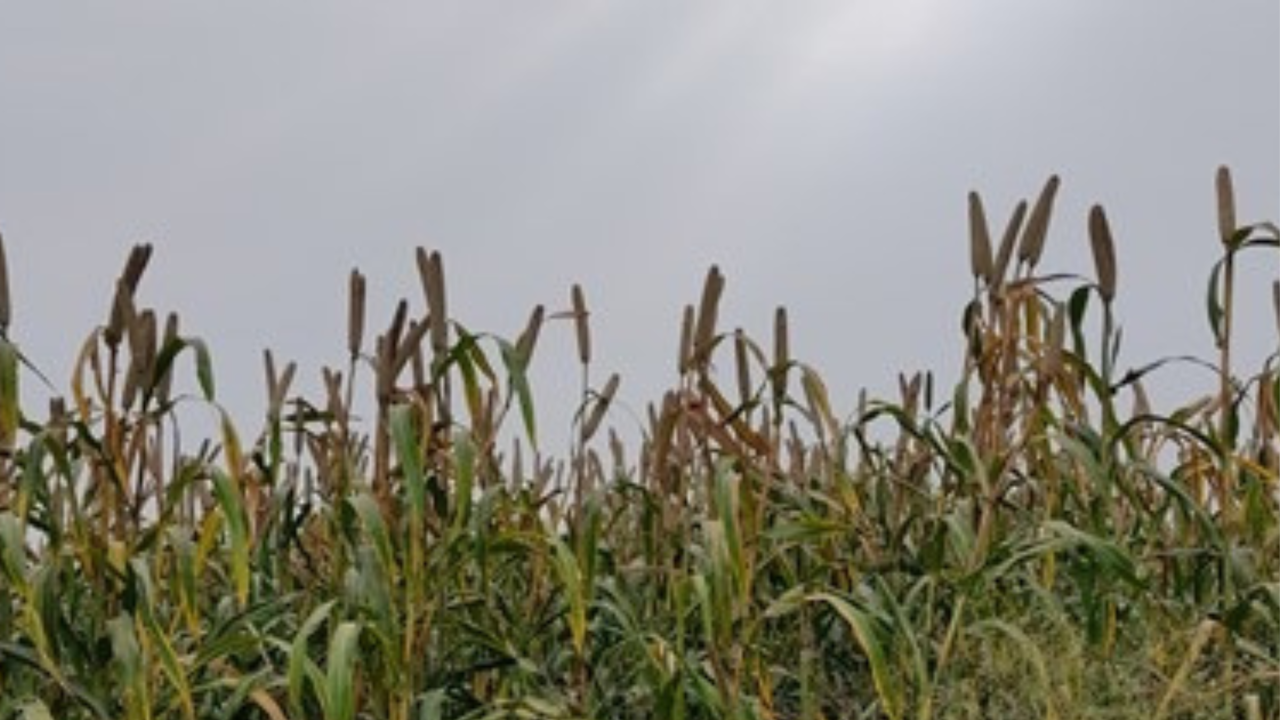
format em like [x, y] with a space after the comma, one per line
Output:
[1108, 338]
[1224, 340]
[1226, 389]
[580, 463]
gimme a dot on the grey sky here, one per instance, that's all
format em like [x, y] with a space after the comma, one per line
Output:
[820, 152]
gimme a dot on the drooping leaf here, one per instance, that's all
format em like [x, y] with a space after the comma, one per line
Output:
[340, 677]
[517, 373]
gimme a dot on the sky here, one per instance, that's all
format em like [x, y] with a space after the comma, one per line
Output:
[819, 151]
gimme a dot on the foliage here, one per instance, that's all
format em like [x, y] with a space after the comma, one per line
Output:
[1022, 547]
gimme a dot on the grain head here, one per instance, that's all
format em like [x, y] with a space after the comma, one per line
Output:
[980, 262]
[1226, 204]
[1104, 253]
[708, 313]
[355, 313]
[581, 324]
[1007, 243]
[1033, 239]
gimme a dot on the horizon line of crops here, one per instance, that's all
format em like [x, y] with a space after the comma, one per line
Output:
[1020, 546]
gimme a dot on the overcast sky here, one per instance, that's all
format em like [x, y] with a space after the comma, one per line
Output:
[819, 152]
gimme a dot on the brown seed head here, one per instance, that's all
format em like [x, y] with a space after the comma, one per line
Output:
[980, 262]
[142, 356]
[164, 384]
[383, 369]
[333, 391]
[708, 312]
[355, 314]
[1275, 302]
[1007, 242]
[581, 324]
[126, 285]
[147, 331]
[685, 358]
[603, 400]
[58, 419]
[122, 314]
[744, 368]
[269, 371]
[1104, 253]
[139, 256]
[528, 339]
[277, 384]
[397, 325]
[1032, 245]
[410, 344]
[781, 343]
[431, 271]
[1226, 204]
[781, 352]
[1055, 340]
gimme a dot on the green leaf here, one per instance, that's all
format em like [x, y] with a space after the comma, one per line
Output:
[865, 630]
[805, 529]
[566, 568]
[431, 705]
[204, 367]
[464, 454]
[517, 374]
[227, 492]
[12, 551]
[405, 435]
[786, 603]
[819, 400]
[1214, 303]
[1028, 649]
[1077, 306]
[907, 631]
[1107, 554]
[344, 649]
[727, 497]
[169, 662]
[366, 508]
[462, 354]
[35, 710]
[300, 663]
[9, 396]
[130, 663]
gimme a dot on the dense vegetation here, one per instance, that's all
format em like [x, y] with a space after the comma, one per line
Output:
[1036, 542]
